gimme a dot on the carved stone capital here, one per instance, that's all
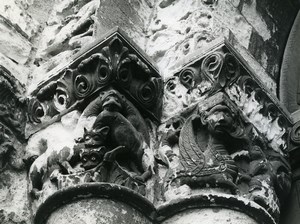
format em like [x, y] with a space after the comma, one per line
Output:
[224, 133]
[222, 139]
[92, 123]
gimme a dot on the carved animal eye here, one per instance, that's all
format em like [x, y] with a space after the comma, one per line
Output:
[93, 158]
[84, 159]
[176, 124]
[97, 137]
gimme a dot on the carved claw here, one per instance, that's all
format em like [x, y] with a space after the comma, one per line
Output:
[139, 178]
[54, 174]
[35, 193]
[29, 161]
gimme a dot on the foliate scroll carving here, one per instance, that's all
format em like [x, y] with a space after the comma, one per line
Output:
[221, 68]
[206, 76]
[112, 62]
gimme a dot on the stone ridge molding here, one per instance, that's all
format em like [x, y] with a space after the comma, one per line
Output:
[113, 60]
[227, 134]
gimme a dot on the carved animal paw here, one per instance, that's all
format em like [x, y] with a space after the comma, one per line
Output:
[35, 193]
[54, 175]
[138, 178]
[71, 171]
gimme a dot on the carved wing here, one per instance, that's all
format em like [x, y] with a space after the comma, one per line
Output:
[191, 155]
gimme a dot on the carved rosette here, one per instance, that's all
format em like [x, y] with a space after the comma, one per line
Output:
[228, 137]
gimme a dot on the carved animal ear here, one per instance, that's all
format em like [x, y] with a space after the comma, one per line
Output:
[203, 117]
[104, 131]
[81, 152]
[85, 130]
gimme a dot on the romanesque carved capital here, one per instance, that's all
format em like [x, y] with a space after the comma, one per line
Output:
[100, 110]
[224, 133]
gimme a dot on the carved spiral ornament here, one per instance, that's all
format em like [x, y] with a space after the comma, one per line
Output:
[212, 65]
[83, 86]
[295, 133]
[124, 73]
[35, 111]
[232, 68]
[103, 68]
[147, 93]
[188, 77]
[63, 97]
[60, 101]
[247, 84]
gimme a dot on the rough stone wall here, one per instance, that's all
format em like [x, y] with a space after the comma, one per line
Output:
[39, 36]
[178, 28]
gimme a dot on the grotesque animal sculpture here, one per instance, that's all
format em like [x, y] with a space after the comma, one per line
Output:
[54, 161]
[203, 152]
[90, 158]
[127, 133]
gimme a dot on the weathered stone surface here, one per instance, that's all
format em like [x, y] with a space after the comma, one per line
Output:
[97, 211]
[15, 13]
[12, 44]
[69, 27]
[209, 216]
[14, 204]
[196, 23]
[131, 16]
[205, 99]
